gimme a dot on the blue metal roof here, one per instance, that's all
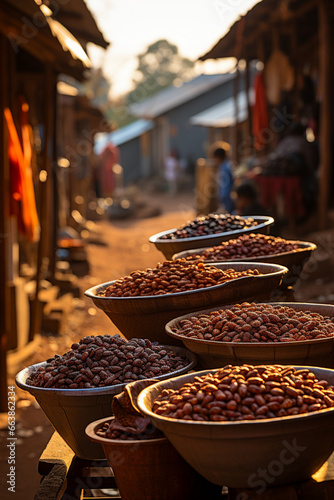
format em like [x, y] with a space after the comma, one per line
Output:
[172, 97]
[222, 114]
[122, 135]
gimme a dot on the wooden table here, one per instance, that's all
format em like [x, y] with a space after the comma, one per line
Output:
[67, 477]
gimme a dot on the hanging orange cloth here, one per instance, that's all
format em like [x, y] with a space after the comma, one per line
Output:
[23, 203]
[260, 114]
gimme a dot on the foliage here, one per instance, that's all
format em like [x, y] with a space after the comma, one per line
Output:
[159, 67]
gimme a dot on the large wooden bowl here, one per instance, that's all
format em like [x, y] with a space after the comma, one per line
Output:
[71, 410]
[146, 316]
[288, 449]
[215, 354]
[294, 260]
[170, 247]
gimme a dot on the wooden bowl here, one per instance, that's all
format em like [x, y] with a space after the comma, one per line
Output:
[294, 260]
[71, 410]
[288, 449]
[170, 247]
[146, 316]
[215, 354]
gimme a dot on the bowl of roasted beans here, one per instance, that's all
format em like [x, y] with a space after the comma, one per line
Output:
[208, 230]
[143, 302]
[256, 247]
[257, 333]
[76, 388]
[240, 425]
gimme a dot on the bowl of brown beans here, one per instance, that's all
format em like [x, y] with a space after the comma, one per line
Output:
[208, 230]
[256, 247]
[143, 302]
[259, 333]
[248, 426]
[78, 387]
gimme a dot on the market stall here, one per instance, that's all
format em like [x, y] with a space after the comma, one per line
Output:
[292, 41]
[268, 377]
[35, 49]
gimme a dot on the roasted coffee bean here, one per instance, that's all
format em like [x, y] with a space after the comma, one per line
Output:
[214, 399]
[274, 323]
[172, 277]
[94, 369]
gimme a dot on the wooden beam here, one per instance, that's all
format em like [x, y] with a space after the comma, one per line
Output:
[326, 107]
[44, 206]
[266, 25]
[235, 149]
[54, 174]
[38, 41]
[249, 107]
[4, 219]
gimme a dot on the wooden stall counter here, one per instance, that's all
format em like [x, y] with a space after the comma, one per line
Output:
[67, 477]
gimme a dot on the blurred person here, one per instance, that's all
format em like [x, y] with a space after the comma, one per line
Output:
[294, 146]
[172, 167]
[225, 178]
[246, 201]
[108, 158]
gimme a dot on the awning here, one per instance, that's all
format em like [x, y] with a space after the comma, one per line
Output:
[222, 114]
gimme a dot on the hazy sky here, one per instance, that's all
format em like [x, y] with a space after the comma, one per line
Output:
[131, 25]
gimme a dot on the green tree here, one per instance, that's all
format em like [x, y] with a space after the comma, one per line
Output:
[159, 67]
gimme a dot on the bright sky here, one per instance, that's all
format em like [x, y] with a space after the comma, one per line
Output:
[131, 25]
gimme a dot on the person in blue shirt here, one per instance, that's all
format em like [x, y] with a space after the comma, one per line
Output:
[225, 179]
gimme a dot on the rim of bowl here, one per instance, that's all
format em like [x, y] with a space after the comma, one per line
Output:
[91, 292]
[93, 426]
[263, 219]
[250, 344]
[310, 247]
[303, 416]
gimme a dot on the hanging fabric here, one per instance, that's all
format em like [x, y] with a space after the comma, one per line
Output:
[279, 76]
[22, 200]
[260, 122]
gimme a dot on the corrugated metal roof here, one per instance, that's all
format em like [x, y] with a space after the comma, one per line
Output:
[173, 97]
[258, 23]
[122, 135]
[222, 114]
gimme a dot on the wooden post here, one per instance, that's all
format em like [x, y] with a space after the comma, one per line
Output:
[4, 219]
[54, 174]
[249, 107]
[296, 65]
[44, 206]
[235, 152]
[326, 108]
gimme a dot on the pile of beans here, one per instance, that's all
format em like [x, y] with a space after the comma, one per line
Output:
[246, 393]
[257, 323]
[172, 277]
[107, 431]
[99, 361]
[210, 224]
[247, 245]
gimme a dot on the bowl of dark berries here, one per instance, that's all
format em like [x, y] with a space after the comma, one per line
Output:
[208, 230]
[78, 387]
